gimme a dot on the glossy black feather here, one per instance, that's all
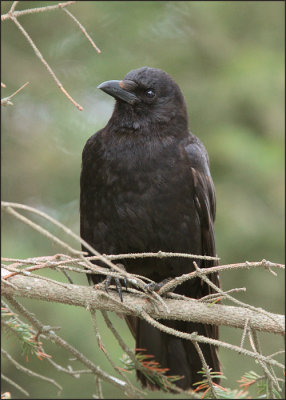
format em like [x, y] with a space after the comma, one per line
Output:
[145, 187]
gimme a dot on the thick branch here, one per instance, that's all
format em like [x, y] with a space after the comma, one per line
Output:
[189, 310]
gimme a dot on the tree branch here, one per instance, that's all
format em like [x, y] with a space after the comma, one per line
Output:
[29, 372]
[6, 101]
[186, 310]
[13, 15]
[17, 14]
[48, 332]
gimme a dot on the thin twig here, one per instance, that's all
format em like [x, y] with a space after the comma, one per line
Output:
[234, 300]
[268, 376]
[271, 376]
[29, 372]
[13, 7]
[6, 100]
[103, 348]
[18, 90]
[18, 14]
[203, 339]
[122, 344]
[50, 334]
[13, 15]
[120, 341]
[167, 287]
[8, 205]
[82, 29]
[276, 353]
[213, 296]
[5, 378]
[206, 271]
[206, 369]
[43, 61]
[43, 231]
[99, 387]
[61, 266]
[27, 273]
[159, 254]
[69, 371]
[246, 327]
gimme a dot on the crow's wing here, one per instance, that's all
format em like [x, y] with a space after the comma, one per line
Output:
[205, 205]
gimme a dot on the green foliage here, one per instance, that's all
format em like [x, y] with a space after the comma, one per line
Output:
[226, 393]
[23, 332]
[152, 370]
[250, 378]
[261, 384]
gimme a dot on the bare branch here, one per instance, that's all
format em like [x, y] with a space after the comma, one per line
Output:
[48, 332]
[120, 341]
[13, 7]
[17, 91]
[246, 327]
[202, 339]
[28, 371]
[27, 273]
[205, 271]
[8, 380]
[82, 28]
[215, 296]
[127, 350]
[228, 296]
[99, 388]
[103, 348]
[17, 14]
[206, 369]
[6, 100]
[42, 230]
[160, 254]
[43, 61]
[20, 281]
[270, 374]
[189, 310]
[9, 207]
[13, 15]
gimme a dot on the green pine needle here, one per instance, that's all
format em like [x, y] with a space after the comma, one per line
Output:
[152, 370]
[24, 332]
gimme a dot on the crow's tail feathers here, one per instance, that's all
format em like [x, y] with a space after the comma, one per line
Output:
[178, 355]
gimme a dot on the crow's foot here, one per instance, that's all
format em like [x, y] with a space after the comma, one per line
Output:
[117, 281]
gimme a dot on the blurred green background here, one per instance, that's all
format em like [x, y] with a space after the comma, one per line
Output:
[228, 58]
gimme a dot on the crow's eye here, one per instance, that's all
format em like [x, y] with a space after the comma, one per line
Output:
[149, 93]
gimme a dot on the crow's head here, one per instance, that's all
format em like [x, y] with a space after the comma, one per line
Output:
[147, 96]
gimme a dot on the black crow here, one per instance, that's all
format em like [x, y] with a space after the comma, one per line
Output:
[146, 186]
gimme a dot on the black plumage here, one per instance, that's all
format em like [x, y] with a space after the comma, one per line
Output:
[146, 186]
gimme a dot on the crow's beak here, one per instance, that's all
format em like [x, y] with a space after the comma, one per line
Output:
[121, 90]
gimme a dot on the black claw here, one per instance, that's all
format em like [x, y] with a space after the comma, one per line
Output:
[119, 288]
[155, 286]
[107, 283]
[125, 284]
[152, 286]
[117, 282]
